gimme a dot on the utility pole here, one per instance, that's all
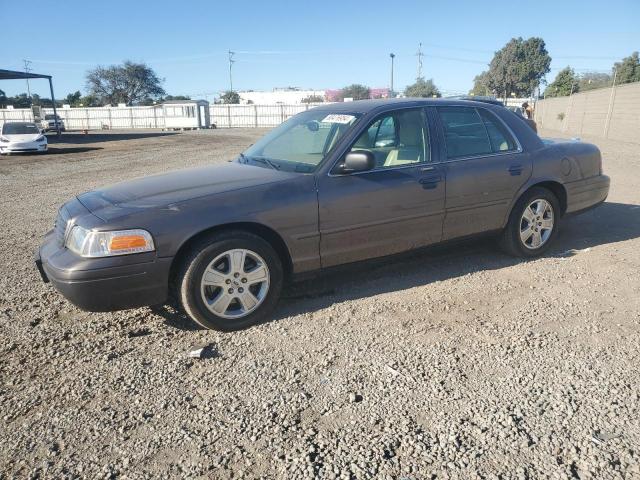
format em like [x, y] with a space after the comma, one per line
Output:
[611, 102]
[420, 55]
[392, 55]
[27, 69]
[231, 62]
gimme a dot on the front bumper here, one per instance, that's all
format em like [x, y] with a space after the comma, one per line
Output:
[104, 284]
[15, 147]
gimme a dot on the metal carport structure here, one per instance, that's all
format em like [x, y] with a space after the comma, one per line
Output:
[13, 75]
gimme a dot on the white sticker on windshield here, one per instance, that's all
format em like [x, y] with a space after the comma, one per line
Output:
[335, 118]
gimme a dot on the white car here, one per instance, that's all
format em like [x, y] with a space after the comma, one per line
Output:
[18, 137]
[49, 123]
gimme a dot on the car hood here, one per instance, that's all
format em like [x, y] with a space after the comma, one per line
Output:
[30, 137]
[165, 189]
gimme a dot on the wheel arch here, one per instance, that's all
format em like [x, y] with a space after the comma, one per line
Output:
[258, 229]
[558, 189]
[554, 186]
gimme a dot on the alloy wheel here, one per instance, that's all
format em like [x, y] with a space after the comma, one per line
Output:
[536, 224]
[235, 283]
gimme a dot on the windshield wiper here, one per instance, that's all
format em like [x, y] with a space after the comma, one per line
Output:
[266, 161]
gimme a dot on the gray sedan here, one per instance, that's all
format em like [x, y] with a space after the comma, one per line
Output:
[336, 184]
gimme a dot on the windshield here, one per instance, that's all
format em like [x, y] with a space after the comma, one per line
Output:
[19, 129]
[51, 117]
[301, 143]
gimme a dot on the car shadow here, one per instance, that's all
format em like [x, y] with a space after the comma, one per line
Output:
[79, 138]
[609, 223]
[59, 150]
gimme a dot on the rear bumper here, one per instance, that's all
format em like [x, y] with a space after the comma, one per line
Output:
[585, 194]
[104, 284]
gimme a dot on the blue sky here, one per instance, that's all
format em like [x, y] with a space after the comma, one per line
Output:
[326, 44]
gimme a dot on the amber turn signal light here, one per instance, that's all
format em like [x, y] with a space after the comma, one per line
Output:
[126, 242]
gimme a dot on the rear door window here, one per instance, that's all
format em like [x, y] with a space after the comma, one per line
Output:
[464, 131]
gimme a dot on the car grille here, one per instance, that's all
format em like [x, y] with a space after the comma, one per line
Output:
[60, 227]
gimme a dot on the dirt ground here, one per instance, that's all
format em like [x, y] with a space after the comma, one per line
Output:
[457, 362]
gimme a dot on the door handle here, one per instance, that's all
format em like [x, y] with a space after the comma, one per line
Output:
[515, 170]
[430, 182]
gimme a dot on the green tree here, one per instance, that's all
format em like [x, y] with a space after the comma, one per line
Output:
[176, 97]
[230, 97]
[73, 99]
[481, 84]
[592, 80]
[128, 83]
[519, 67]
[90, 101]
[313, 99]
[19, 101]
[43, 101]
[3, 99]
[564, 83]
[422, 88]
[628, 70]
[355, 91]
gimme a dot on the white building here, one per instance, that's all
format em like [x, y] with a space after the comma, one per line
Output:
[285, 96]
[186, 114]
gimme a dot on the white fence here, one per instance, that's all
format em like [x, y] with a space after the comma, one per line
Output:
[230, 116]
[223, 116]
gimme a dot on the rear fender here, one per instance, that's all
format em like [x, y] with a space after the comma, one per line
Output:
[559, 164]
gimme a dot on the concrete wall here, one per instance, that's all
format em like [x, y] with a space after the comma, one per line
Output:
[606, 112]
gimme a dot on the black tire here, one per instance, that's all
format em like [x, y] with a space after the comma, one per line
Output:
[203, 252]
[510, 241]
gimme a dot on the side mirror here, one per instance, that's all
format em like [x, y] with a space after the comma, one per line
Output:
[358, 161]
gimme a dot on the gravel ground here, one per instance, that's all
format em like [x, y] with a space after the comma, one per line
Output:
[457, 362]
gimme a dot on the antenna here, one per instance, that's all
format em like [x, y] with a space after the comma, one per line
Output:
[27, 69]
[419, 54]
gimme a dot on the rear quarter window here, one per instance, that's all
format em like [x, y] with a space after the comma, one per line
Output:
[499, 136]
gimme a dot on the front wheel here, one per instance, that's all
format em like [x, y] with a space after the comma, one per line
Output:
[533, 224]
[230, 281]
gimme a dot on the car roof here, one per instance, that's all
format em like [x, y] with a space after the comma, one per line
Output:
[365, 106]
[478, 98]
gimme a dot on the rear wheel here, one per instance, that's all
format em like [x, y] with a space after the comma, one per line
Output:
[533, 224]
[230, 281]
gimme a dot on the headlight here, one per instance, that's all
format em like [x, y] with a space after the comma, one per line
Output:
[4, 139]
[88, 243]
[41, 138]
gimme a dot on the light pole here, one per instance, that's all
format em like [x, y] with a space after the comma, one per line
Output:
[392, 55]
